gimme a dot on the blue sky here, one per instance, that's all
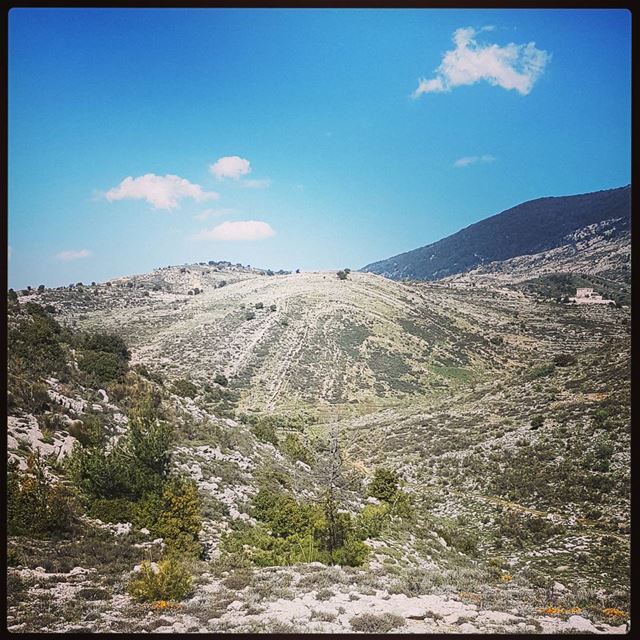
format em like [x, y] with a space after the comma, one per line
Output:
[312, 139]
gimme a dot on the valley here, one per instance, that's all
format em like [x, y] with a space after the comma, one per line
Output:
[505, 415]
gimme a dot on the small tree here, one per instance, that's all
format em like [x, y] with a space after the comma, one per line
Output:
[342, 275]
[40, 288]
[384, 485]
[36, 506]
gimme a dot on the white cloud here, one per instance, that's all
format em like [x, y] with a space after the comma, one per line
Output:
[67, 256]
[256, 184]
[214, 213]
[230, 167]
[240, 230]
[467, 160]
[163, 192]
[514, 66]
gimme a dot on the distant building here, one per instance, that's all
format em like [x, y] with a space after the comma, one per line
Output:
[586, 295]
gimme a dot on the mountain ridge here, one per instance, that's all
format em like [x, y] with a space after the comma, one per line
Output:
[531, 227]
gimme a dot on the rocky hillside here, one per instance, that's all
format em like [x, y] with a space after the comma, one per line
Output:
[588, 233]
[318, 454]
[297, 340]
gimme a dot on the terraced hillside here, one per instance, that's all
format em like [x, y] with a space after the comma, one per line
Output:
[305, 339]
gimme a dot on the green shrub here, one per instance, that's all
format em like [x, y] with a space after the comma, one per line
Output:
[143, 371]
[106, 343]
[290, 532]
[266, 432]
[285, 516]
[371, 623]
[542, 370]
[601, 416]
[221, 380]
[89, 431]
[371, 520]
[455, 536]
[137, 464]
[34, 344]
[401, 506]
[351, 554]
[36, 506]
[250, 315]
[111, 510]
[101, 366]
[384, 484]
[259, 305]
[180, 520]
[293, 448]
[184, 388]
[170, 582]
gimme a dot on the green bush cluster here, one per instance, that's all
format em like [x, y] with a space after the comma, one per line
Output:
[170, 581]
[541, 371]
[37, 506]
[295, 450]
[296, 421]
[221, 380]
[266, 432]
[385, 486]
[136, 464]
[104, 357]
[521, 530]
[184, 388]
[371, 623]
[372, 519]
[455, 536]
[131, 483]
[101, 367]
[105, 343]
[35, 343]
[290, 532]
[154, 376]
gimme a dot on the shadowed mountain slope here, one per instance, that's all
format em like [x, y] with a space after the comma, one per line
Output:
[529, 228]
